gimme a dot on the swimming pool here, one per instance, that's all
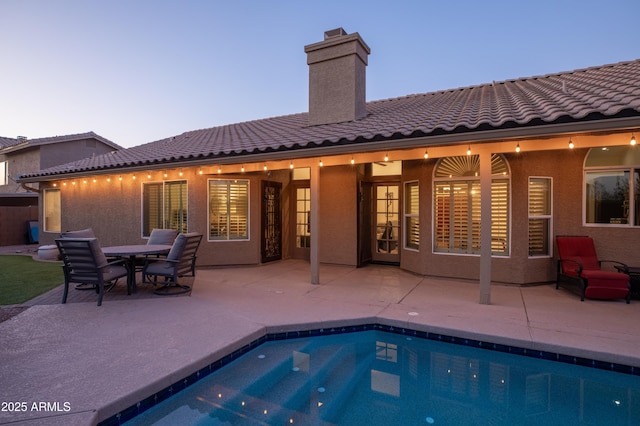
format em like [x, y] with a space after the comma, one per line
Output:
[381, 378]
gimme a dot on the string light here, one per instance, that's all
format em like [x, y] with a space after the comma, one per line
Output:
[632, 142]
[352, 160]
[264, 167]
[180, 173]
[571, 145]
[386, 157]
[133, 177]
[242, 168]
[291, 164]
[149, 176]
[200, 172]
[321, 164]
[120, 178]
[165, 175]
[108, 179]
[468, 149]
[426, 154]
[518, 147]
[219, 169]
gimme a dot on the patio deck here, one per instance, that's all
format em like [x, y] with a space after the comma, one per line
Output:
[103, 359]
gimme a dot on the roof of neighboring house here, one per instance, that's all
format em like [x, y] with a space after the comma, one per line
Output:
[591, 94]
[8, 145]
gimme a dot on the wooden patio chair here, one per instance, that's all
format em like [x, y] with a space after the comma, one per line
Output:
[85, 263]
[579, 267]
[180, 262]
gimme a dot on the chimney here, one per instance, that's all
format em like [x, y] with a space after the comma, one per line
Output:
[337, 78]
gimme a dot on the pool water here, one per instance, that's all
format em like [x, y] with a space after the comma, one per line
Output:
[380, 378]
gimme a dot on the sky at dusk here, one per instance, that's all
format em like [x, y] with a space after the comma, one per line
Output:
[135, 71]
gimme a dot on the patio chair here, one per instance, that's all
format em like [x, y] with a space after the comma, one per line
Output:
[180, 262]
[82, 233]
[579, 267]
[157, 236]
[85, 263]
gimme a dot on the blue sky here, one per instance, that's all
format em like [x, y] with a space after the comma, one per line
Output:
[135, 71]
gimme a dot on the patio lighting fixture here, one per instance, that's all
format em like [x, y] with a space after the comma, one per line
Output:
[518, 147]
[200, 171]
[386, 157]
[95, 180]
[149, 176]
[352, 160]
[242, 168]
[426, 154]
[571, 145]
[133, 177]
[320, 163]
[264, 167]
[291, 164]
[219, 169]
[64, 183]
[120, 178]
[165, 175]
[632, 142]
[108, 179]
[73, 182]
[84, 181]
[468, 149]
[180, 173]
[55, 184]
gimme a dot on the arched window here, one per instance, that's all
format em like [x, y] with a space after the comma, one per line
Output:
[612, 186]
[457, 205]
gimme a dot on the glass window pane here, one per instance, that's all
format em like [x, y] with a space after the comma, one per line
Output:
[607, 195]
[52, 213]
[539, 216]
[228, 210]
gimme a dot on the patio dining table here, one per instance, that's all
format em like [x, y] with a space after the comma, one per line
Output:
[129, 253]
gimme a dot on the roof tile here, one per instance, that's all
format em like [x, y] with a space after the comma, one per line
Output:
[605, 91]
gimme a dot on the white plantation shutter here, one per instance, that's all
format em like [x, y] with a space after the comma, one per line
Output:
[457, 200]
[411, 214]
[164, 206]
[228, 209]
[539, 216]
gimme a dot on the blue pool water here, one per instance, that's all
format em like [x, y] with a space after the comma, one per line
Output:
[380, 378]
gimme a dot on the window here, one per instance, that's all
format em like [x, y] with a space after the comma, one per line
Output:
[612, 186]
[540, 216]
[457, 205]
[4, 173]
[51, 210]
[303, 213]
[229, 209]
[411, 213]
[164, 206]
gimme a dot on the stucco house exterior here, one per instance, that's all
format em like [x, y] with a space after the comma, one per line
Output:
[470, 183]
[19, 203]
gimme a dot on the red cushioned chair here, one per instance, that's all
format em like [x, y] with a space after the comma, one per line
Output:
[578, 266]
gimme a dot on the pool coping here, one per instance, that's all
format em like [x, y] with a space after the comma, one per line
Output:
[278, 333]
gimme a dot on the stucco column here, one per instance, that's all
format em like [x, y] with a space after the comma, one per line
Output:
[485, 227]
[315, 224]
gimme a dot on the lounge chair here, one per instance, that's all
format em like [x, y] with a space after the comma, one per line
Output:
[85, 263]
[579, 267]
[180, 262]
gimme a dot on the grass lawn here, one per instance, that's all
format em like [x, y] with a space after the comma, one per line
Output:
[22, 278]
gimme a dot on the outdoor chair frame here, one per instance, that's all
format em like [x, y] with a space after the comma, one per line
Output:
[579, 268]
[84, 263]
[180, 262]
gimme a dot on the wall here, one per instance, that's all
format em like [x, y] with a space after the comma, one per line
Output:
[65, 152]
[14, 227]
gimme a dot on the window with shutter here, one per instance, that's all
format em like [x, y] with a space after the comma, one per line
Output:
[164, 206]
[228, 209]
[411, 215]
[540, 216]
[457, 205]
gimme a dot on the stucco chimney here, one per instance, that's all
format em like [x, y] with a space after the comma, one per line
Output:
[337, 78]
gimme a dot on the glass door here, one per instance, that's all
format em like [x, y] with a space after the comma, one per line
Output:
[386, 220]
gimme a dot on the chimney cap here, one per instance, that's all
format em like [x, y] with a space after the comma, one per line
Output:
[335, 33]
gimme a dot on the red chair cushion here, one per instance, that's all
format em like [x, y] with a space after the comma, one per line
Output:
[579, 249]
[606, 284]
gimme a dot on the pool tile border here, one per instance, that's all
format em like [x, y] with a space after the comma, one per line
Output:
[176, 387]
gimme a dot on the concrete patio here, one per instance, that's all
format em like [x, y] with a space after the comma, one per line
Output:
[101, 360]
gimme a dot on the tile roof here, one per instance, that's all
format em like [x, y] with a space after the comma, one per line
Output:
[594, 93]
[12, 145]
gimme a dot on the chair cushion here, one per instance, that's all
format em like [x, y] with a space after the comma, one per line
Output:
[83, 233]
[177, 248]
[580, 249]
[101, 259]
[606, 284]
[160, 268]
[112, 272]
[162, 236]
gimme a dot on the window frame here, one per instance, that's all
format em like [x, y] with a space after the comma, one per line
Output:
[162, 209]
[248, 209]
[501, 172]
[4, 173]
[407, 217]
[58, 211]
[548, 217]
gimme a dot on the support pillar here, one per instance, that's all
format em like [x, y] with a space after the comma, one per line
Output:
[485, 227]
[315, 224]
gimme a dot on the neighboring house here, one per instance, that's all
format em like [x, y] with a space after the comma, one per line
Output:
[469, 183]
[19, 203]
